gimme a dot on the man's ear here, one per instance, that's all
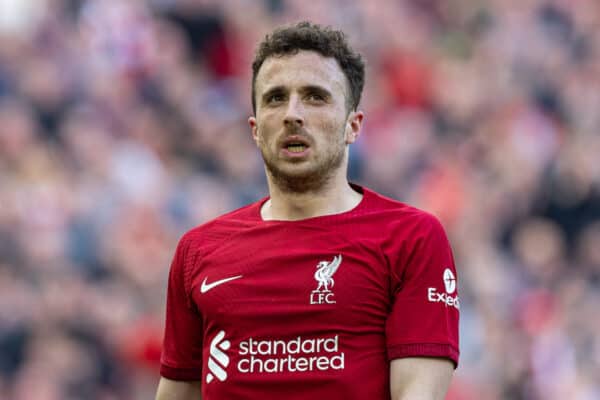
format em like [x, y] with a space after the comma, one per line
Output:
[353, 126]
[254, 129]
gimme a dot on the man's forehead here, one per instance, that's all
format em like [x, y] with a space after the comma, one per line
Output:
[302, 68]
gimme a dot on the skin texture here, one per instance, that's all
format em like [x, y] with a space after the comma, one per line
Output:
[178, 390]
[420, 378]
[303, 96]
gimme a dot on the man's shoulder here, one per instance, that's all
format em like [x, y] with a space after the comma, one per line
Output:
[404, 228]
[383, 203]
[400, 215]
[225, 224]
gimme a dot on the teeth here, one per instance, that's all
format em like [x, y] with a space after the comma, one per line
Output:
[296, 148]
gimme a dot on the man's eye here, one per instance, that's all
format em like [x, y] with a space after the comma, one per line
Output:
[315, 97]
[275, 98]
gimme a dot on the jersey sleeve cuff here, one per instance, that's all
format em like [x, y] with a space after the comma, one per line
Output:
[424, 350]
[180, 374]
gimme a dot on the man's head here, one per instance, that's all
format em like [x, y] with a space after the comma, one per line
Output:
[325, 41]
[307, 84]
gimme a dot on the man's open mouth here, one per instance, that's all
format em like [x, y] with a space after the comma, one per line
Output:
[296, 147]
[295, 144]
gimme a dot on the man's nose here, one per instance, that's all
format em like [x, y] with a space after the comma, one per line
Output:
[293, 114]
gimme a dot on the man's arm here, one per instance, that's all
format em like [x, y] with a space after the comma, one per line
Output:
[178, 390]
[420, 378]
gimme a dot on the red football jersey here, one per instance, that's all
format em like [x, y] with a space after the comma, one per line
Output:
[309, 309]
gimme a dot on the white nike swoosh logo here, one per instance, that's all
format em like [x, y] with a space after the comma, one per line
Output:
[206, 287]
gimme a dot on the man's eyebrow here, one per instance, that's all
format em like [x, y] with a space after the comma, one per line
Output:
[316, 89]
[280, 89]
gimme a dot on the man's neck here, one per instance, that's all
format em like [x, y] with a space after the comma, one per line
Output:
[334, 198]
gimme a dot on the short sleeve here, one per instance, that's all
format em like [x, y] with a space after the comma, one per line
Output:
[423, 320]
[181, 357]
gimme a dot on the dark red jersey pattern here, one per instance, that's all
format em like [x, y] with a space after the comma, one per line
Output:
[310, 309]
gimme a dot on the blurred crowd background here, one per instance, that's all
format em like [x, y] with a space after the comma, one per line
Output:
[124, 123]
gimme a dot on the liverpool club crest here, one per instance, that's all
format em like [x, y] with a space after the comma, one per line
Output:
[323, 294]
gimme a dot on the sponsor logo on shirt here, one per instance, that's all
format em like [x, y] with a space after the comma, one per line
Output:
[272, 356]
[295, 355]
[434, 296]
[449, 281]
[324, 277]
[218, 359]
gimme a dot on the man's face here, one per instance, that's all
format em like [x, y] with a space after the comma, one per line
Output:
[302, 126]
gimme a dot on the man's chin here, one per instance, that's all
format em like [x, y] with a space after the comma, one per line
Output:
[298, 179]
[302, 175]
[298, 171]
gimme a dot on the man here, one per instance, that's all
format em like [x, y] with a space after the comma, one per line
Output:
[323, 290]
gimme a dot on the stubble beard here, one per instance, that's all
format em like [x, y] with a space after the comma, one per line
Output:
[311, 180]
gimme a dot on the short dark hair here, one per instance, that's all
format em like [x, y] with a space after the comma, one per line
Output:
[326, 41]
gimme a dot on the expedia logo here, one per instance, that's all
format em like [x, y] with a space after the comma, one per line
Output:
[434, 296]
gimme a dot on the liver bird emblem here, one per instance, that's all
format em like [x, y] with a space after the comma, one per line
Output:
[325, 271]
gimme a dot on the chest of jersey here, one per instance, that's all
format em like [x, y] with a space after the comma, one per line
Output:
[299, 280]
[284, 305]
